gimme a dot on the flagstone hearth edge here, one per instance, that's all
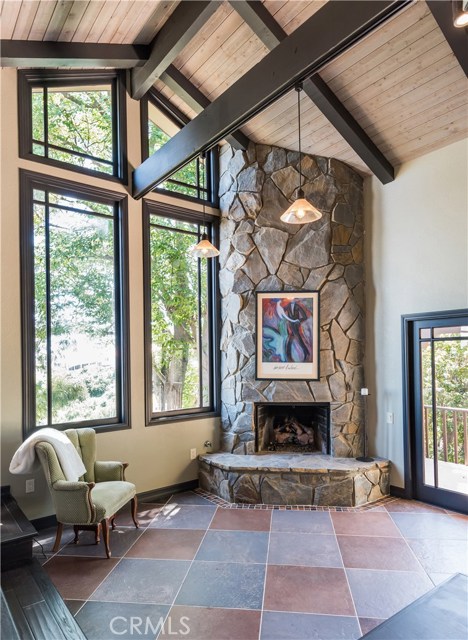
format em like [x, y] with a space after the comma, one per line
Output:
[294, 479]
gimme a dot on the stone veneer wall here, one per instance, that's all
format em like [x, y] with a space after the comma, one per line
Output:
[261, 253]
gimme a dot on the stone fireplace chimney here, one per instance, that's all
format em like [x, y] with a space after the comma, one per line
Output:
[261, 253]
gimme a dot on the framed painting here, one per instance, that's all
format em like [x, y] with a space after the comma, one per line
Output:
[288, 330]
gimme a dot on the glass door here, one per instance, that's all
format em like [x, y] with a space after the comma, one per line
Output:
[440, 410]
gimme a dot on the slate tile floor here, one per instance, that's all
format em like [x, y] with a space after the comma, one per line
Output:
[201, 572]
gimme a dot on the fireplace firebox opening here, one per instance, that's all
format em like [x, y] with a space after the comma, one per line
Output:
[302, 427]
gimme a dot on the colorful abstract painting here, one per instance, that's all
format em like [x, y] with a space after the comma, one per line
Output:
[287, 335]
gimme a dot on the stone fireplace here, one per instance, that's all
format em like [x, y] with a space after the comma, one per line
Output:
[261, 253]
[290, 459]
[292, 428]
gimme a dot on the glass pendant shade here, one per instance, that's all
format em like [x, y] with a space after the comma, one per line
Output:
[301, 211]
[460, 14]
[204, 249]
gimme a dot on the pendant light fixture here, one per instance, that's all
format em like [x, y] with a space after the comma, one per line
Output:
[301, 211]
[204, 249]
[460, 13]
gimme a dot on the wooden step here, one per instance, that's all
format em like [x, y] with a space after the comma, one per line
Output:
[34, 610]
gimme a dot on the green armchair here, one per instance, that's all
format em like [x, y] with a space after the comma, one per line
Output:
[92, 502]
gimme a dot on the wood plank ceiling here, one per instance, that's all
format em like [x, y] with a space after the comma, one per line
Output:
[401, 83]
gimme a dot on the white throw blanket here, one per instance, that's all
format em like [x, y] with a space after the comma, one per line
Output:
[25, 461]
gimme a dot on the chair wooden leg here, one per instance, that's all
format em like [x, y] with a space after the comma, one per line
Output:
[134, 512]
[76, 529]
[112, 521]
[58, 537]
[97, 534]
[105, 535]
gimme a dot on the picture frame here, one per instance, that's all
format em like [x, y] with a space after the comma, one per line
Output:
[287, 335]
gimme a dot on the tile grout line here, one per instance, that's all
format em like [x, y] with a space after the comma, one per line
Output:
[111, 571]
[410, 548]
[346, 576]
[189, 567]
[224, 504]
[265, 578]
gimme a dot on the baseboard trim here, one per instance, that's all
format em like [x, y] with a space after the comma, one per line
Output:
[398, 492]
[161, 494]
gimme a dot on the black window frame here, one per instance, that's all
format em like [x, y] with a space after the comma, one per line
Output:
[27, 79]
[211, 223]
[28, 182]
[180, 120]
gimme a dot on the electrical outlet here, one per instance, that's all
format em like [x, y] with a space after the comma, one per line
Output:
[193, 454]
[389, 417]
[30, 486]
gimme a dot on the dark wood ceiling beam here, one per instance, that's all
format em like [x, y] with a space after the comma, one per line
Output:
[184, 23]
[265, 27]
[260, 20]
[301, 54]
[196, 100]
[31, 53]
[324, 98]
[456, 37]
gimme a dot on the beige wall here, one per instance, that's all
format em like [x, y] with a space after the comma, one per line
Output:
[158, 455]
[417, 261]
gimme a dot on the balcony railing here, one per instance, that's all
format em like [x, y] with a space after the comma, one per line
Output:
[452, 434]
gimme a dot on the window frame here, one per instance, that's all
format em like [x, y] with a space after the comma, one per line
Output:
[212, 223]
[28, 182]
[27, 79]
[180, 120]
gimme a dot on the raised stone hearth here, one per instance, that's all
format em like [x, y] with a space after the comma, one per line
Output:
[294, 479]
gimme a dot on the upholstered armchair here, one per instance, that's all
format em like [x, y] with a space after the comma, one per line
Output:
[92, 502]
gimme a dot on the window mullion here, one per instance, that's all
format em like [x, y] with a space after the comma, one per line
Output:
[48, 310]
[46, 122]
[199, 336]
[118, 288]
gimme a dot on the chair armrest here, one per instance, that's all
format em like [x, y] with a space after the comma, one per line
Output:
[65, 485]
[73, 502]
[106, 471]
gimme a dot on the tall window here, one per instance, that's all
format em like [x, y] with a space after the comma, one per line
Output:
[160, 122]
[180, 330]
[73, 118]
[74, 292]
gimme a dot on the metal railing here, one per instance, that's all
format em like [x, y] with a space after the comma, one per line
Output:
[452, 434]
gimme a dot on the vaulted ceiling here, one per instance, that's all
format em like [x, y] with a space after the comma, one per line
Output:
[401, 83]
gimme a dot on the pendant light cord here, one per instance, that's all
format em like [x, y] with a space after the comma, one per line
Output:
[203, 156]
[299, 89]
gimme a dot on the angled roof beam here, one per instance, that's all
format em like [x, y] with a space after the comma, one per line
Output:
[337, 114]
[31, 53]
[307, 49]
[455, 36]
[196, 100]
[265, 27]
[184, 23]
[260, 20]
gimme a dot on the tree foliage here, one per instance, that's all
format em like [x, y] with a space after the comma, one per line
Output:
[81, 307]
[82, 273]
[77, 121]
[175, 318]
[451, 383]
